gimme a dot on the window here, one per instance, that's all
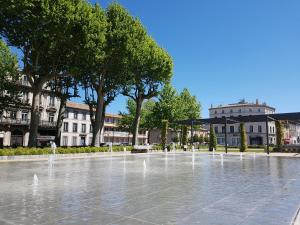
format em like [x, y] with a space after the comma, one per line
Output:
[83, 116]
[216, 130]
[83, 128]
[216, 112]
[13, 115]
[231, 111]
[75, 115]
[51, 101]
[65, 140]
[223, 130]
[258, 110]
[91, 128]
[273, 130]
[51, 117]
[75, 125]
[250, 110]
[24, 116]
[66, 126]
[66, 114]
[74, 141]
[240, 110]
[270, 129]
[251, 128]
[223, 111]
[231, 129]
[259, 129]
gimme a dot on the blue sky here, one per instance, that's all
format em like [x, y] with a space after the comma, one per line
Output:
[226, 50]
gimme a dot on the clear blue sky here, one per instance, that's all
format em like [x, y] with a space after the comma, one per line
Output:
[226, 50]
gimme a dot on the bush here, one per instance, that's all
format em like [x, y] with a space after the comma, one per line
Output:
[60, 150]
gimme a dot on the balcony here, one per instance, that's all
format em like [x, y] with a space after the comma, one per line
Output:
[43, 123]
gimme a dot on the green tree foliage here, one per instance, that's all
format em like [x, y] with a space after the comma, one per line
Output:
[9, 76]
[173, 106]
[188, 106]
[149, 68]
[127, 120]
[243, 142]
[49, 35]
[164, 133]
[201, 139]
[279, 134]
[166, 108]
[104, 63]
[184, 135]
[212, 138]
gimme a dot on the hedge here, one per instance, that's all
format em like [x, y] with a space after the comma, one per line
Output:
[59, 150]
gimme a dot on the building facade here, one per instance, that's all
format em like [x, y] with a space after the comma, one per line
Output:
[76, 127]
[256, 131]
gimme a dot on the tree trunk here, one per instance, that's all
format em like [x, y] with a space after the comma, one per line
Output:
[137, 119]
[34, 118]
[60, 118]
[98, 118]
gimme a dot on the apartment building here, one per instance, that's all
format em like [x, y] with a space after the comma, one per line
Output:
[76, 127]
[256, 131]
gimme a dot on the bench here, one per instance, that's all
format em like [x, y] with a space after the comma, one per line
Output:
[141, 148]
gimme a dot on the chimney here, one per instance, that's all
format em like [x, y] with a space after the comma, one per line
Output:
[257, 102]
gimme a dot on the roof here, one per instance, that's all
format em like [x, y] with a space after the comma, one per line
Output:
[295, 117]
[85, 107]
[236, 105]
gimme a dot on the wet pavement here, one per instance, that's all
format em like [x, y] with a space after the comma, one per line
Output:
[152, 189]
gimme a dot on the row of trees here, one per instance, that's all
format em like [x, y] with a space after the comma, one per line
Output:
[68, 43]
[161, 112]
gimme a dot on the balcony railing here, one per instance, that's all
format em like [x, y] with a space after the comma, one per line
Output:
[9, 121]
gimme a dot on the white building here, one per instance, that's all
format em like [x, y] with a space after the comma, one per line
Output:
[76, 127]
[256, 131]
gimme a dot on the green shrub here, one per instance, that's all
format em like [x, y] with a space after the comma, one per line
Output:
[59, 150]
[243, 143]
[212, 138]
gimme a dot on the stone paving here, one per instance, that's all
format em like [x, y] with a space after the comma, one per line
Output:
[182, 188]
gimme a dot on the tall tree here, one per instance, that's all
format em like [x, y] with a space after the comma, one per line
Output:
[104, 62]
[9, 76]
[150, 67]
[49, 34]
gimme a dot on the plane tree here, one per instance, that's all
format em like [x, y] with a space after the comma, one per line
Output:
[104, 63]
[49, 34]
[149, 68]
